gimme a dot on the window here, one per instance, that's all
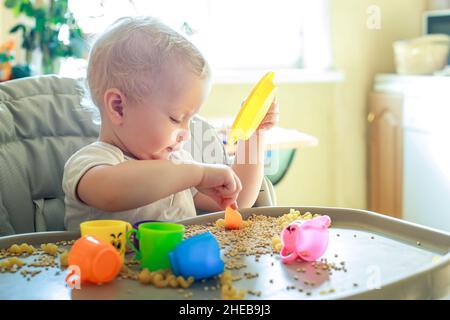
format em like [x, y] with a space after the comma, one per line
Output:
[232, 34]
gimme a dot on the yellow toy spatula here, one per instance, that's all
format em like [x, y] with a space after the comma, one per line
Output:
[254, 109]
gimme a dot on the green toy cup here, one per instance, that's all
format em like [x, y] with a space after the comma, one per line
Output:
[156, 240]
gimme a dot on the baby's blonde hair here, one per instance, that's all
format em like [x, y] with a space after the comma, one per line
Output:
[133, 52]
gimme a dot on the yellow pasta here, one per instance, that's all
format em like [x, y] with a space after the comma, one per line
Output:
[164, 279]
[172, 280]
[185, 283]
[28, 249]
[276, 244]
[5, 264]
[64, 259]
[50, 248]
[23, 248]
[227, 290]
[11, 262]
[307, 216]
[293, 215]
[145, 276]
[15, 249]
[159, 281]
[220, 223]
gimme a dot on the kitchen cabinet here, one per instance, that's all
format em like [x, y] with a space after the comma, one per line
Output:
[385, 153]
[409, 149]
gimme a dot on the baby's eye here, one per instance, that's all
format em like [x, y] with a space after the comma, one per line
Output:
[175, 120]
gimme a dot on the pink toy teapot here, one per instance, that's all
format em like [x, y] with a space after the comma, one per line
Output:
[307, 240]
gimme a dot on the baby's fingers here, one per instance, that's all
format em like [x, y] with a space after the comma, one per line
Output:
[230, 199]
[274, 106]
[231, 187]
[272, 117]
[222, 201]
[228, 202]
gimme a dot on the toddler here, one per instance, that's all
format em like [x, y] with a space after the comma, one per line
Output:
[148, 81]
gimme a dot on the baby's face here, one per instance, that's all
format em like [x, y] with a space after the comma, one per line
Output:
[159, 125]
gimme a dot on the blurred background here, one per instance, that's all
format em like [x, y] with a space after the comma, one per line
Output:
[363, 86]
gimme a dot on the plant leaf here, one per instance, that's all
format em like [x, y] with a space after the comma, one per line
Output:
[41, 20]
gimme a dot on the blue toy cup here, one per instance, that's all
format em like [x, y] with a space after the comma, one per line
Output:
[198, 257]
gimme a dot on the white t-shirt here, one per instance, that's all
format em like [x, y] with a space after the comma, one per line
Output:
[175, 207]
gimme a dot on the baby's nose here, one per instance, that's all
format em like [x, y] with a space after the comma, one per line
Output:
[182, 135]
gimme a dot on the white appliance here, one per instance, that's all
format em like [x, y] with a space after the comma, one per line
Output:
[426, 162]
[426, 146]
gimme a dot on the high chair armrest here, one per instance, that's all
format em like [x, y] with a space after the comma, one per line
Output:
[267, 196]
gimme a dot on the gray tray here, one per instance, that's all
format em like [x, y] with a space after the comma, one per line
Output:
[388, 259]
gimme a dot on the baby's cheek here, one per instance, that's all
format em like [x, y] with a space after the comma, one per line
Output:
[156, 141]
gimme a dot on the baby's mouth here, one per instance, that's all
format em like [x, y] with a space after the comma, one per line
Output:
[170, 150]
[173, 148]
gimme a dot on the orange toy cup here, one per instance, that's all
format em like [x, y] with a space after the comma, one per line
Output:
[233, 219]
[98, 260]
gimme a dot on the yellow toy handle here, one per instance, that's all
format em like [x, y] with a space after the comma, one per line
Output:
[254, 109]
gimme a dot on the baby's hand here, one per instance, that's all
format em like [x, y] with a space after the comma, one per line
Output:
[272, 117]
[221, 184]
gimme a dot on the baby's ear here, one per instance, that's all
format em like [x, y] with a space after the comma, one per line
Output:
[113, 104]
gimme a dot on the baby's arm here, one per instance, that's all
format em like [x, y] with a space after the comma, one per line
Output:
[136, 183]
[249, 160]
[249, 167]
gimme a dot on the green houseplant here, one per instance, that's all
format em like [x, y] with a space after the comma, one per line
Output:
[52, 29]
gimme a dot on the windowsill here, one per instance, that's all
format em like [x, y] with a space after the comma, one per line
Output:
[243, 76]
[76, 68]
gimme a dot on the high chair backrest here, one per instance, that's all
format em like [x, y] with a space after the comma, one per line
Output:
[42, 124]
